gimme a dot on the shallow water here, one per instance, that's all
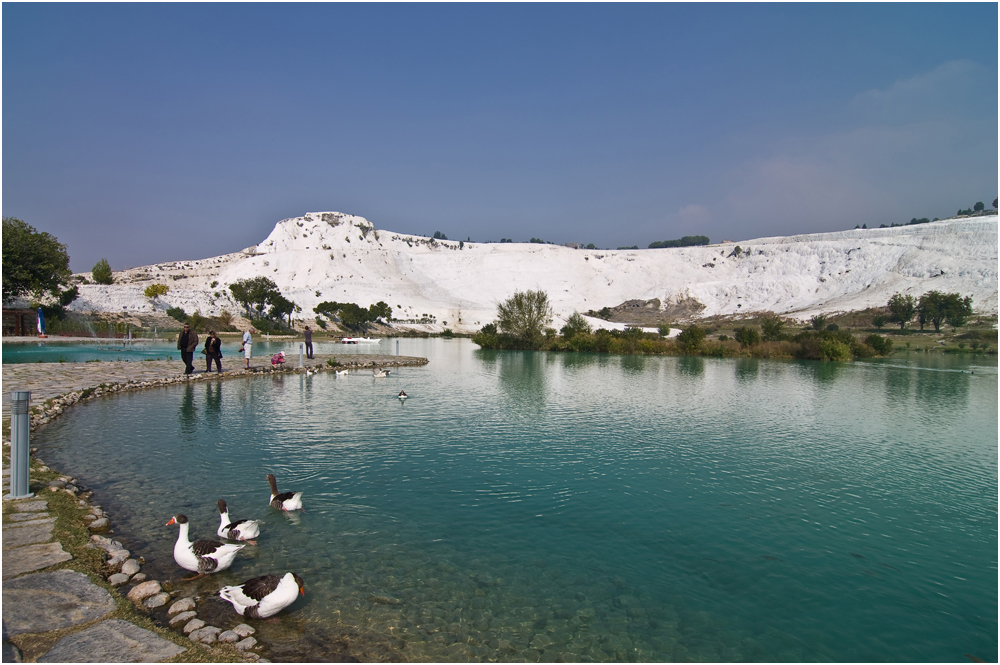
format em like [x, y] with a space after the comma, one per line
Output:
[532, 506]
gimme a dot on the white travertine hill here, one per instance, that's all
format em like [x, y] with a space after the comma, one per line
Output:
[338, 257]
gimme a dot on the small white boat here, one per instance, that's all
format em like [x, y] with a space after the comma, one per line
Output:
[359, 340]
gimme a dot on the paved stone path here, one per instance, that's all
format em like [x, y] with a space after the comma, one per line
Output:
[40, 602]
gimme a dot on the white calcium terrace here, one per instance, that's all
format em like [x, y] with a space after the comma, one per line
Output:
[337, 257]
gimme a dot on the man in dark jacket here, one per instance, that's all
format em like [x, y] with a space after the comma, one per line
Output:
[187, 342]
[309, 343]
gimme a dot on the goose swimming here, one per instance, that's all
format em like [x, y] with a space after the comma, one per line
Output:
[201, 556]
[285, 500]
[236, 529]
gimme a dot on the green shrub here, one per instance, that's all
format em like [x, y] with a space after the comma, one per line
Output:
[177, 313]
[881, 345]
[691, 338]
[156, 290]
[747, 336]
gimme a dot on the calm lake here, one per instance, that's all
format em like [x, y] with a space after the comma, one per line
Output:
[531, 506]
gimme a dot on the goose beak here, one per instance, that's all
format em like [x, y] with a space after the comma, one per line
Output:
[172, 521]
[302, 590]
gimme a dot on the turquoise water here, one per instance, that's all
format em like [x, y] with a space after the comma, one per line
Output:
[109, 350]
[532, 506]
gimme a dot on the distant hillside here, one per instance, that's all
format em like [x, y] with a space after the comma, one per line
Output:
[338, 257]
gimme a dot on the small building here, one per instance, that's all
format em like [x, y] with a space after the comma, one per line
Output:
[20, 322]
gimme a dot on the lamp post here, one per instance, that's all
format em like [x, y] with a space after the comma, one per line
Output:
[20, 427]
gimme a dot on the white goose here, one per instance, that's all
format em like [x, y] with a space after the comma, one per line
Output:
[236, 529]
[340, 372]
[264, 596]
[285, 500]
[381, 374]
[201, 556]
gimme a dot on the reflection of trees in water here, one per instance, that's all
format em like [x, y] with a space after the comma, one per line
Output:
[747, 369]
[188, 413]
[691, 365]
[522, 380]
[634, 364]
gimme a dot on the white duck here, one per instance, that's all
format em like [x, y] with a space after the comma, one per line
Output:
[340, 372]
[285, 500]
[264, 596]
[380, 374]
[236, 529]
[201, 556]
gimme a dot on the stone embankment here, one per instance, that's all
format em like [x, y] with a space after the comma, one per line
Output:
[53, 613]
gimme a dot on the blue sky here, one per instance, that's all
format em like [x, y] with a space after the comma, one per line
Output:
[155, 132]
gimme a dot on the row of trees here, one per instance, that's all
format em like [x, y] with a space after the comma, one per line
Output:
[933, 307]
[261, 296]
[352, 315]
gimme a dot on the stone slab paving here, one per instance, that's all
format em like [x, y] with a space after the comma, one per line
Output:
[32, 557]
[112, 641]
[42, 602]
[18, 535]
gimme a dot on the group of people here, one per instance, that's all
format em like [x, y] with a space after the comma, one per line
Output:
[187, 342]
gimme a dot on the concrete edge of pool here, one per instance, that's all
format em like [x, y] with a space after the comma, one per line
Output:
[36, 603]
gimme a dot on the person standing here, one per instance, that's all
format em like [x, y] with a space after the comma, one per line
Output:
[309, 343]
[187, 342]
[213, 351]
[247, 343]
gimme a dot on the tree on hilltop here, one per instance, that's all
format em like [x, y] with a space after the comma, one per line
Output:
[101, 273]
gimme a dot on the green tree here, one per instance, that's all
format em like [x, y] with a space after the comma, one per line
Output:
[663, 329]
[979, 206]
[818, 322]
[33, 262]
[440, 236]
[524, 316]
[379, 310]
[747, 336]
[771, 328]
[901, 309]
[101, 273]
[881, 345]
[255, 293]
[939, 308]
[691, 338]
[575, 324]
[879, 321]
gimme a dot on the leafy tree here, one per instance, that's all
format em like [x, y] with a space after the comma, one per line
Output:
[255, 293]
[901, 309]
[575, 324]
[33, 261]
[225, 317]
[770, 328]
[691, 338]
[938, 307]
[379, 310]
[197, 321]
[524, 316]
[281, 307]
[591, 245]
[879, 321]
[995, 201]
[101, 273]
[818, 322]
[747, 336]
[979, 206]
[440, 236]
[663, 329]
[156, 290]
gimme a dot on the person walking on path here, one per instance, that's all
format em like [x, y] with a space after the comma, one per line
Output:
[213, 351]
[247, 343]
[309, 343]
[187, 342]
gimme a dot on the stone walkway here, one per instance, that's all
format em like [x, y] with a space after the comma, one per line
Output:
[40, 602]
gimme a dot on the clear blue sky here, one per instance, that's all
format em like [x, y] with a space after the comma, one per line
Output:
[156, 132]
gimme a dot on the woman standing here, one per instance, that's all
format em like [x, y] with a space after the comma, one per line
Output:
[213, 351]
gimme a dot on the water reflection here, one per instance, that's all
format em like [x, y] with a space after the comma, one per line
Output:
[747, 369]
[187, 413]
[691, 365]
